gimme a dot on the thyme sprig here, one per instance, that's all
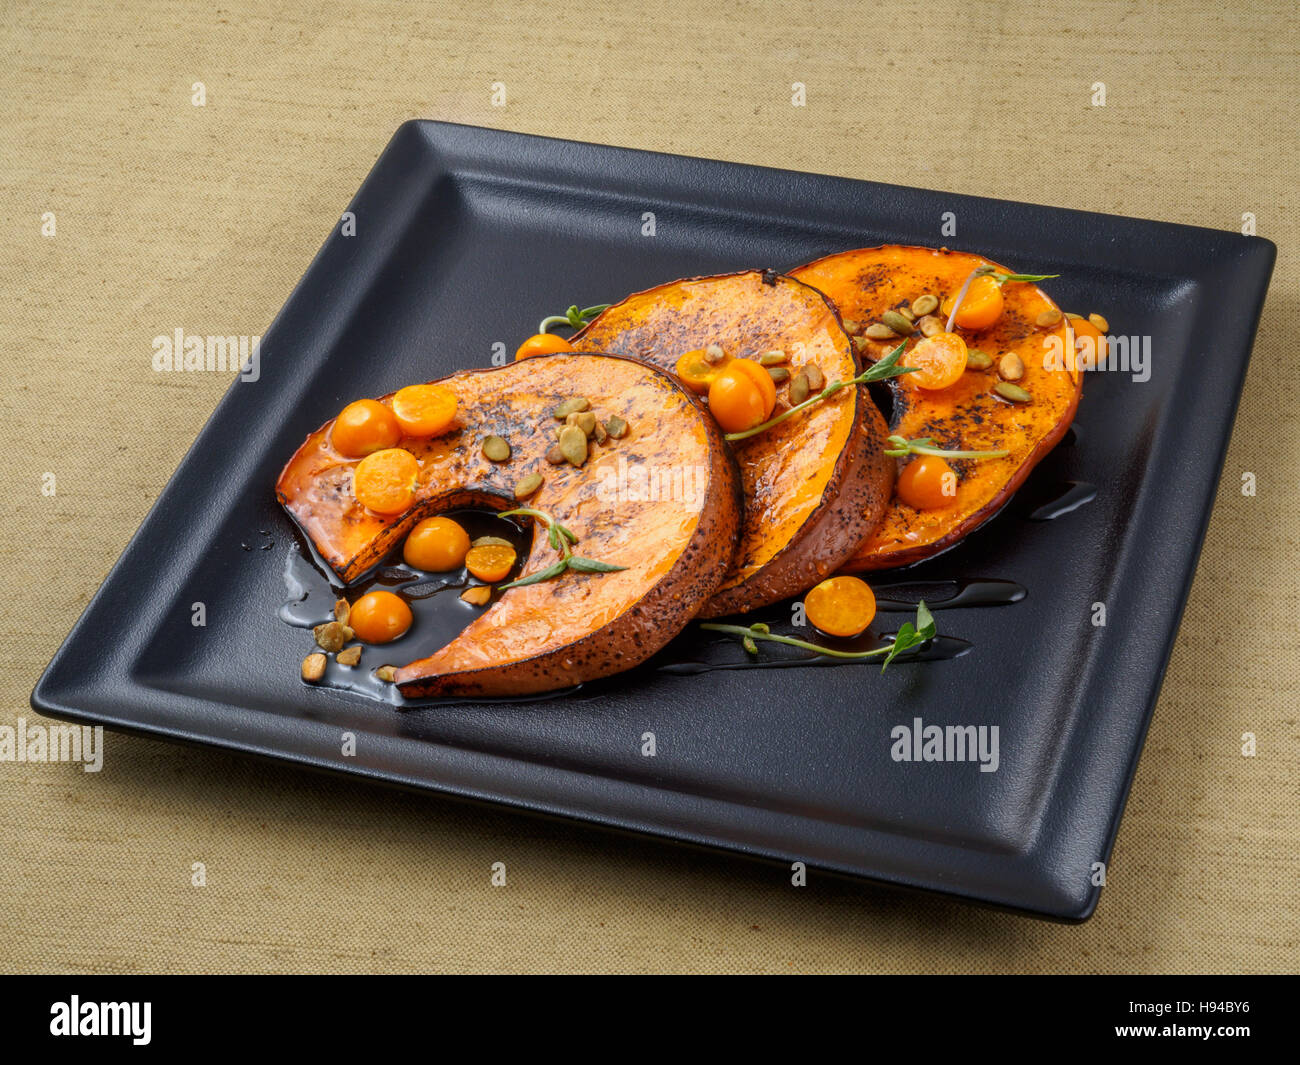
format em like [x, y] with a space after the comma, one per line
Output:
[573, 317]
[1000, 278]
[880, 370]
[901, 447]
[559, 537]
[909, 635]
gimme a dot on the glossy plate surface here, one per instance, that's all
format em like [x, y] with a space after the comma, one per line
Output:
[466, 238]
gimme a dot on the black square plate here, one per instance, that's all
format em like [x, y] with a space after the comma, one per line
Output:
[464, 238]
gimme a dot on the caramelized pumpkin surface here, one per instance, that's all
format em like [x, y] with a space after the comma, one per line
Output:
[664, 502]
[816, 484]
[968, 415]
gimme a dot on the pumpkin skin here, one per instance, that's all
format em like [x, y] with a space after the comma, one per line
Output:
[966, 416]
[676, 545]
[816, 484]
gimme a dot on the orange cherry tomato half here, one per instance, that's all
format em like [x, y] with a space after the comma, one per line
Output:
[697, 373]
[927, 483]
[1089, 344]
[364, 427]
[542, 344]
[385, 481]
[491, 562]
[980, 307]
[735, 400]
[940, 361]
[424, 410]
[759, 375]
[436, 545]
[841, 606]
[379, 617]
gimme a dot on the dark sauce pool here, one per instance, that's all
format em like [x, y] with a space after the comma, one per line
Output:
[438, 612]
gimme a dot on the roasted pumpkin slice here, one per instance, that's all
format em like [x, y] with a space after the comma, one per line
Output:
[663, 501]
[969, 415]
[816, 484]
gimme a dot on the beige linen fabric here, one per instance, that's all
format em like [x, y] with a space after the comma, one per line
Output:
[170, 214]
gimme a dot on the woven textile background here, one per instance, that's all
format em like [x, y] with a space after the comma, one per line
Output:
[169, 214]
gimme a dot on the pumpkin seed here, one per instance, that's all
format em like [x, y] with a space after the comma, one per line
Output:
[1011, 367]
[923, 305]
[555, 456]
[714, 353]
[906, 312]
[1048, 318]
[313, 667]
[1015, 393]
[930, 325]
[386, 673]
[331, 636]
[573, 444]
[1102, 325]
[798, 389]
[860, 343]
[778, 374]
[897, 323]
[495, 449]
[771, 358]
[492, 541]
[880, 331]
[349, 657]
[851, 325]
[616, 427]
[816, 379]
[978, 360]
[341, 611]
[528, 485]
[571, 406]
[586, 421]
[601, 435]
[1072, 316]
[478, 595]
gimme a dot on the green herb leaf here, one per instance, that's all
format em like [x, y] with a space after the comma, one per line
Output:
[590, 565]
[553, 570]
[574, 317]
[924, 621]
[905, 639]
[886, 367]
[1004, 278]
[910, 635]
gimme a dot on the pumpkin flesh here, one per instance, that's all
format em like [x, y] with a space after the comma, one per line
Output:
[675, 543]
[815, 484]
[968, 415]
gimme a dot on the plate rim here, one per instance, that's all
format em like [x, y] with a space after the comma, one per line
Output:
[446, 145]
